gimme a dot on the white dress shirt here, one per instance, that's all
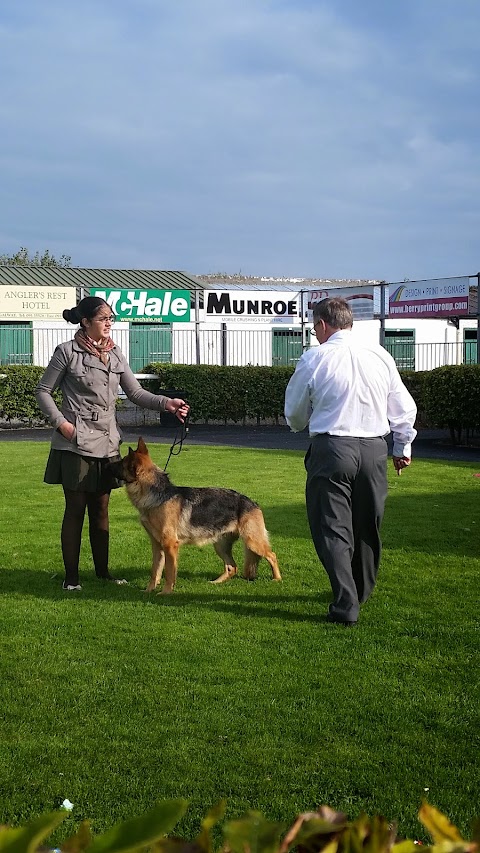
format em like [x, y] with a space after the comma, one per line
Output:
[346, 387]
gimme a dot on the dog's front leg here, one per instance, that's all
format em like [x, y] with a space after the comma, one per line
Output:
[171, 547]
[230, 572]
[223, 547]
[158, 558]
[158, 562]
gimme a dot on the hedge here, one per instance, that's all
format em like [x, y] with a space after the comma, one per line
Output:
[225, 393]
[446, 397]
[452, 399]
[17, 400]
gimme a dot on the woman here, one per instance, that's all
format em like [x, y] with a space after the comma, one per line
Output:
[88, 370]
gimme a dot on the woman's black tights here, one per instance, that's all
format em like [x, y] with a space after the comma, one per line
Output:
[75, 505]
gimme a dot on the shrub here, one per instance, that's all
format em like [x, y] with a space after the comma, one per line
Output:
[225, 393]
[452, 398]
[17, 400]
[312, 832]
[445, 397]
[417, 382]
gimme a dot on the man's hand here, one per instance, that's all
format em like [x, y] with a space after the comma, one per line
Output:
[400, 462]
[177, 407]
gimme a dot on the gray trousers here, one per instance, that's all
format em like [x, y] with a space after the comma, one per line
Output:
[345, 496]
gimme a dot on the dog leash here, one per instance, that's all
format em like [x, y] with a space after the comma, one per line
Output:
[178, 440]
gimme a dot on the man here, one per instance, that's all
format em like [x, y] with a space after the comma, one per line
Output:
[351, 396]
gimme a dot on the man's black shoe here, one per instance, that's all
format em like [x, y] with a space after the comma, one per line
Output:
[336, 621]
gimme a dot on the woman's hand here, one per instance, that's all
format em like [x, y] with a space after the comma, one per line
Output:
[67, 430]
[177, 407]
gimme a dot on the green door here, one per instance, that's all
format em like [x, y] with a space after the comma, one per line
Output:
[470, 346]
[401, 345]
[16, 343]
[286, 346]
[149, 342]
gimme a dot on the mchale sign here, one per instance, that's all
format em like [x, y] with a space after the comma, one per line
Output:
[165, 306]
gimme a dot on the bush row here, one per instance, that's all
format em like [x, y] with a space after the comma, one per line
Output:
[17, 400]
[225, 393]
[446, 397]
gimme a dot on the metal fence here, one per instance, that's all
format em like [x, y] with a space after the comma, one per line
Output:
[20, 344]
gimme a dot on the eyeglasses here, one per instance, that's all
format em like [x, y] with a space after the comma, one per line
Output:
[109, 319]
[313, 331]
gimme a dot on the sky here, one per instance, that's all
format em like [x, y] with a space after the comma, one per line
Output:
[330, 139]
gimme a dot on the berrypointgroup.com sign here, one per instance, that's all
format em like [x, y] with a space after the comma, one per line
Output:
[165, 306]
[437, 297]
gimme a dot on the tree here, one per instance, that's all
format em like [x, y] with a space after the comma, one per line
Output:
[22, 258]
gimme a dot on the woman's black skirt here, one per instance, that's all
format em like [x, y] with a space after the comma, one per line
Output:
[80, 473]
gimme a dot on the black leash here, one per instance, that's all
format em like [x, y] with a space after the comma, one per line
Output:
[178, 440]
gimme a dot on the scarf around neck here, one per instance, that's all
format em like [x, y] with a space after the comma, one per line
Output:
[101, 349]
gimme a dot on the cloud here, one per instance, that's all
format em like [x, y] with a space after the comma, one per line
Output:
[283, 138]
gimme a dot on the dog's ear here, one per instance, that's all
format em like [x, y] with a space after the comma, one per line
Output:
[142, 447]
[130, 452]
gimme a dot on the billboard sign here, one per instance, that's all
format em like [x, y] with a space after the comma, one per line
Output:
[152, 306]
[435, 297]
[252, 306]
[364, 301]
[20, 302]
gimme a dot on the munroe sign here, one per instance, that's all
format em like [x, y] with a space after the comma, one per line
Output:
[251, 306]
[152, 306]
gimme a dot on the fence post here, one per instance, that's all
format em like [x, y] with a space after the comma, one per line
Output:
[302, 320]
[304, 309]
[197, 327]
[478, 318]
[384, 289]
[223, 357]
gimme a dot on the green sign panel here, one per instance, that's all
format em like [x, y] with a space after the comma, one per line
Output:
[166, 306]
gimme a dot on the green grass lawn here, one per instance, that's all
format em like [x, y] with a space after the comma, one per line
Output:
[116, 699]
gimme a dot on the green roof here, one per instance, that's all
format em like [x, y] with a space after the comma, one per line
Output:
[32, 276]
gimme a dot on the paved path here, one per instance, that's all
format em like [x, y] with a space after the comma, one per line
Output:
[428, 444]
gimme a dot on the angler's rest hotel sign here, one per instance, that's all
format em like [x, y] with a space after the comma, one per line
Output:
[34, 303]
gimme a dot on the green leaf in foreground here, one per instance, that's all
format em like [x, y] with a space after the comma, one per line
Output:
[25, 839]
[139, 832]
[253, 833]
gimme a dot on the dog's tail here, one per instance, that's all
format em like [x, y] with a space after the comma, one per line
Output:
[256, 544]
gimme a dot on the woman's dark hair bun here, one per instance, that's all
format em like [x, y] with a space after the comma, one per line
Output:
[87, 307]
[71, 315]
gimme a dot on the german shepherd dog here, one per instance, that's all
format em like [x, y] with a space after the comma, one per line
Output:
[176, 515]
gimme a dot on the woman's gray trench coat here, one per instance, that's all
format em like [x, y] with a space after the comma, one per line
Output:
[89, 390]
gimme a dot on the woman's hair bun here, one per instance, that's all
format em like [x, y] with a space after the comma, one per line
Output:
[71, 315]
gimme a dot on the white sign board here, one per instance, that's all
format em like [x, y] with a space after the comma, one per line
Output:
[251, 306]
[364, 301]
[19, 302]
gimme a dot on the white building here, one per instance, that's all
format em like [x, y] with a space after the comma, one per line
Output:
[231, 320]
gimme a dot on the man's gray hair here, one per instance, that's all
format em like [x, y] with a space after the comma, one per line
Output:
[334, 311]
